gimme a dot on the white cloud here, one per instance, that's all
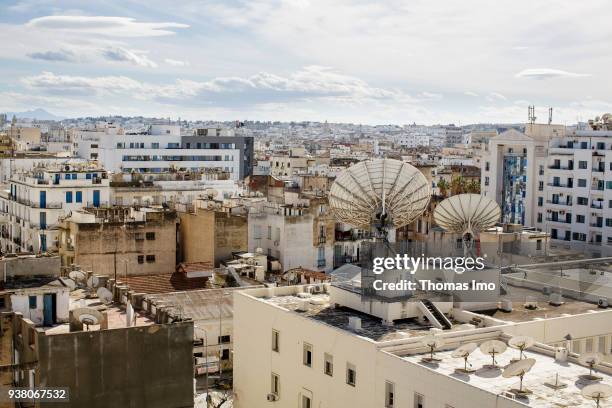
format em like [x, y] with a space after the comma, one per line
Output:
[121, 54]
[470, 93]
[54, 56]
[105, 26]
[176, 63]
[547, 73]
[430, 96]
[493, 96]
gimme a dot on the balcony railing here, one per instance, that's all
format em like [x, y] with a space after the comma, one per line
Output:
[562, 221]
[322, 239]
[320, 263]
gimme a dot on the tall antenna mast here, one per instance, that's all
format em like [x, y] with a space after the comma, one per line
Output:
[550, 110]
[531, 114]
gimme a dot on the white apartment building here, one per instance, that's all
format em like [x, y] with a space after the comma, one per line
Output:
[557, 181]
[162, 149]
[35, 201]
[294, 347]
[576, 204]
[298, 235]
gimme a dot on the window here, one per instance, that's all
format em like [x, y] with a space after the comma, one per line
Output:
[256, 231]
[538, 244]
[2, 302]
[419, 400]
[328, 364]
[224, 339]
[307, 357]
[269, 232]
[582, 164]
[351, 374]
[68, 196]
[540, 201]
[225, 354]
[275, 341]
[306, 402]
[540, 186]
[138, 236]
[486, 180]
[140, 259]
[275, 384]
[32, 300]
[609, 185]
[581, 182]
[486, 166]
[579, 219]
[389, 394]
[150, 236]
[539, 217]
[541, 172]
[150, 258]
[583, 201]
[78, 197]
[608, 222]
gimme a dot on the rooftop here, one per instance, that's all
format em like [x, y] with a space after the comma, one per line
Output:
[544, 371]
[320, 309]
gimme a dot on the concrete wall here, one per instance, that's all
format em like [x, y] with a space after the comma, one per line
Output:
[147, 366]
[30, 266]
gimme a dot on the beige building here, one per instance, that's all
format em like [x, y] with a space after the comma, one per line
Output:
[120, 241]
[212, 232]
[24, 137]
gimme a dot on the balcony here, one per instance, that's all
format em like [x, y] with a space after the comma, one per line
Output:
[566, 204]
[559, 220]
[559, 185]
[320, 263]
[49, 205]
[596, 224]
[597, 206]
[322, 239]
[555, 167]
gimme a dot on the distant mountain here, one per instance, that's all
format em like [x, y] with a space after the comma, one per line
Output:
[38, 113]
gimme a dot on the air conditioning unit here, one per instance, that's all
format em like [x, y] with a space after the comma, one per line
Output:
[602, 303]
[271, 397]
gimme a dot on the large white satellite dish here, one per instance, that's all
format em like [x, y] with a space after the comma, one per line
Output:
[521, 343]
[591, 360]
[88, 316]
[519, 369]
[70, 283]
[380, 193]
[493, 348]
[464, 352]
[597, 392]
[468, 215]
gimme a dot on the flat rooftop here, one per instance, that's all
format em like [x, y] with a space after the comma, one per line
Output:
[116, 315]
[544, 310]
[321, 309]
[544, 371]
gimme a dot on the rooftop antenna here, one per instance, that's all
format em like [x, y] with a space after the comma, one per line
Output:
[519, 369]
[88, 316]
[531, 114]
[521, 343]
[590, 360]
[550, 111]
[492, 348]
[433, 343]
[467, 214]
[464, 352]
[597, 392]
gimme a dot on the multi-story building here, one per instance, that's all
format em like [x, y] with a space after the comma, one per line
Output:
[293, 346]
[298, 234]
[577, 204]
[39, 198]
[120, 241]
[163, 149]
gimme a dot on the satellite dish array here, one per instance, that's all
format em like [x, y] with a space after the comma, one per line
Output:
[597, 392]
[88, 316]
[519, 369]
[590, 360]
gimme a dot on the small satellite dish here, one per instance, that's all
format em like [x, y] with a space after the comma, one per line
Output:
[104, 295]
[464, 352]
[521, 343]
[433, 343]
[77, 276]
[70, 283]
[590, 360]
[597, 392]
[90, 282]
[88, 316]
[493, 348]
[519, 369]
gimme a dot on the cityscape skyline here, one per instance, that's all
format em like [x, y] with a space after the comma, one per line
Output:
[341, 62]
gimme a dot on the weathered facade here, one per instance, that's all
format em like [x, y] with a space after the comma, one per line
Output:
[120, 241]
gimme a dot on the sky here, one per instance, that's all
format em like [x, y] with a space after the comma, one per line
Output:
[370, 62]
